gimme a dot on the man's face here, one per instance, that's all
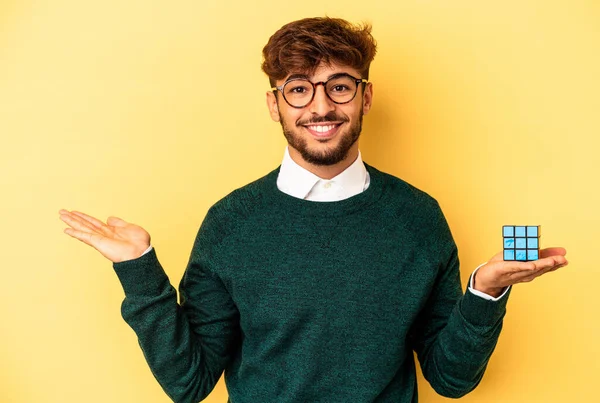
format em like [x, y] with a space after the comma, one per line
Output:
[323, 132]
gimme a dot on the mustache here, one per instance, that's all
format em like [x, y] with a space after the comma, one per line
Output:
[330, 117]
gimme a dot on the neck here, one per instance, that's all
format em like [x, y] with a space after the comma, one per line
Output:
[326, 171]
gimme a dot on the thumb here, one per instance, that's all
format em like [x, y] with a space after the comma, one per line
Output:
[116, 222]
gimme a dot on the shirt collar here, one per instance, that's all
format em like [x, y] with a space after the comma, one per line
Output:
[298, 182]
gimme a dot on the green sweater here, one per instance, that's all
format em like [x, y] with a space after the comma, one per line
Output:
[301, 301]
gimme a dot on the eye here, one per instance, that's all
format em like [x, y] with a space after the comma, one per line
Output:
[339, 88]
[298, 90]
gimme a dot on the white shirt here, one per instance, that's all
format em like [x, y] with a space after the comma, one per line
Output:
[300, 183]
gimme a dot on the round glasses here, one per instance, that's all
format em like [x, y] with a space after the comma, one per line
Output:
[340, 88]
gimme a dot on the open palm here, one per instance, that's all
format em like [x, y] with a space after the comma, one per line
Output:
[117, 240]
[497, 274]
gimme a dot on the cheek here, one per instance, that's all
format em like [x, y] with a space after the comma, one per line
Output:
[348, 113]
[292, 117]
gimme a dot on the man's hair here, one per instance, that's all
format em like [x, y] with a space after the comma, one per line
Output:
[300, 46]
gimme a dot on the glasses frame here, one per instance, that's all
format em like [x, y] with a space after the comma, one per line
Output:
[358, 81]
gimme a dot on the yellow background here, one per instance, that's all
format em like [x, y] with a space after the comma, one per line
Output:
[152, 111]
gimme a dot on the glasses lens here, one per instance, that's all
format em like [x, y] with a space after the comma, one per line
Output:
[341, 89]
[298, 92]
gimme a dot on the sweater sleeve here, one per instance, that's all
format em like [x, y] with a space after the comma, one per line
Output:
[187, 345]
[456, 332]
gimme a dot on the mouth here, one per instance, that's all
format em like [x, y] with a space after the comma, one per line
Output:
[323, 130]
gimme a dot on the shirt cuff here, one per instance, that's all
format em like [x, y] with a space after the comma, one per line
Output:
[150, 248]
[482, 294]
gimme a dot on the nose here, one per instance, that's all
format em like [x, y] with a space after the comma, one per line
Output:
[321, 104]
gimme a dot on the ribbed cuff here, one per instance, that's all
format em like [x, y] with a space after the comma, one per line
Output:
[142, 276]
[481, 312]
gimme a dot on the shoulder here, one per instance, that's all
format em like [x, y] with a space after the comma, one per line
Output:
[246, 199]
[415, 210]
[237, 208]
[401, 194]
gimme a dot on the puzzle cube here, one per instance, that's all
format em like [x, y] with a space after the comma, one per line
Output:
[521, 242]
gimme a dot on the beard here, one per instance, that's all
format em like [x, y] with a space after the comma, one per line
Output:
[329, 156]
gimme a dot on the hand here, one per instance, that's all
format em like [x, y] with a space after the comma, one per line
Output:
[117, 240]
[497, 274]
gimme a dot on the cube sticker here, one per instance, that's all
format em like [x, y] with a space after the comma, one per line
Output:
[521, 242]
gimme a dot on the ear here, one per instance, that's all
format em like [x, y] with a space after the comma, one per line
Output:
[273, 106]
[367, 98]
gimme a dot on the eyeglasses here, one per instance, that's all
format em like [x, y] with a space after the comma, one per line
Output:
[299, 92]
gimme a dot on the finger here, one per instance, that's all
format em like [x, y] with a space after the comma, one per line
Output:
[546, 267]
[543, 271]
[515, 267]
[540, 272]
[556, 251]
[116, 221]
[77, 223]
[547, 252]
[94, 221]
[559, 266]
[550, 261]
[526, 275]
[85, 237]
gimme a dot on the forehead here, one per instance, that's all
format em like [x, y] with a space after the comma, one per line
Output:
[323, 72]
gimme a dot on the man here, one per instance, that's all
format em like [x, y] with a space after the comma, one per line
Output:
[318, 281]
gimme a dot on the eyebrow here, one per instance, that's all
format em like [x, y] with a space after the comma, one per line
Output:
[297, 77]
[305, 77]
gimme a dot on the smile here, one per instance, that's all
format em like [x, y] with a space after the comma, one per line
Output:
[323, 130]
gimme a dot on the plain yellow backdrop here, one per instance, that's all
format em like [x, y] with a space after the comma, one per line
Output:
[153, 111]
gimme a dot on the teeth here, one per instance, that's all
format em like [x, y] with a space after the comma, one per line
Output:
[321, 129]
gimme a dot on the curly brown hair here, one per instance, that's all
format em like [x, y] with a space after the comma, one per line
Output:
[302, 45]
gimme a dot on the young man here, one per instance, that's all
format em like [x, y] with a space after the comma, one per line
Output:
[318, 281]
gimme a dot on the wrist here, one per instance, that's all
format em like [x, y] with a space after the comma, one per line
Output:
[133, 253]
[481, 286]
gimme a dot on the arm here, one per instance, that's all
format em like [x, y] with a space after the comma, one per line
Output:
[187, 346]
[456, 333]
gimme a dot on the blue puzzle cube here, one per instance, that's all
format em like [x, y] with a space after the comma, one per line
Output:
[521, 242]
